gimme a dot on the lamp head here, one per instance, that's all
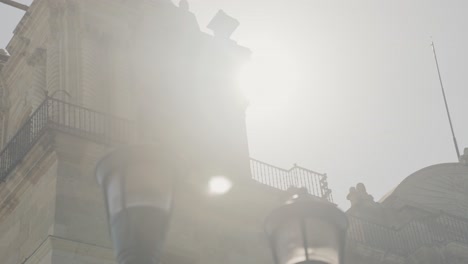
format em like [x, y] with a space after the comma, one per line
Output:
[307, 230]
[138, 183]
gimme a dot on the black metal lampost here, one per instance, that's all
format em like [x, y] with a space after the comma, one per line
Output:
[138, 183]
[307, 230]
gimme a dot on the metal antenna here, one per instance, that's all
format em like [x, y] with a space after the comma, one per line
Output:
[445, 100]
[15, 4]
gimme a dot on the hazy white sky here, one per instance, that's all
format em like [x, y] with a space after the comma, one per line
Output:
[346, 87]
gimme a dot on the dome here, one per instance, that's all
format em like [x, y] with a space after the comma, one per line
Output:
[441, 187]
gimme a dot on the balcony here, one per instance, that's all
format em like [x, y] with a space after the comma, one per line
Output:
[112, 130]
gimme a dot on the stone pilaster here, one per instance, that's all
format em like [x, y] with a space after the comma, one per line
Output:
[95, 90]
[64, 48]
[36, 93]
[54, 71]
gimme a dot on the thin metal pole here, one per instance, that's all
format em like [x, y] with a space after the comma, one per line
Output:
[445, 101]
[15, 4]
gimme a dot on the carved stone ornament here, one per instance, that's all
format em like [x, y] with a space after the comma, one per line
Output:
[464, 157]
[37, 57]
[358, 195]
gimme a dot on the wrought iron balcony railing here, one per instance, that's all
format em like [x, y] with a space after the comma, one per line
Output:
[20, 144]
[404, 240]
[101, 127]
[54, 113]
[315, 183]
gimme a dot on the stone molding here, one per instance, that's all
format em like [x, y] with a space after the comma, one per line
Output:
[75, 248]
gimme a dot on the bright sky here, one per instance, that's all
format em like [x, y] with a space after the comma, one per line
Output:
[345, 87]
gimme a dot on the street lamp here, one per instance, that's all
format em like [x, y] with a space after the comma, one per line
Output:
[138, 183]
[307, 230]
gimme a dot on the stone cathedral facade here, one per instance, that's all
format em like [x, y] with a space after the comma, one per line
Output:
[80, 77]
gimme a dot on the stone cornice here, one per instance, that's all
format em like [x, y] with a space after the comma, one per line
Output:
[77, 248]
[4, 58]
[26, 40]
[26, 21]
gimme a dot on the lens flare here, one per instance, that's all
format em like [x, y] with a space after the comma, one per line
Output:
[219, 185]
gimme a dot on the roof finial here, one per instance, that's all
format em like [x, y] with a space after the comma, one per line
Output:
[464, 157]
[223, 25]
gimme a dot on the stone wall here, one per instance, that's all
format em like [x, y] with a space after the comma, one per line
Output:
[53, 212]
[24, 75]
[27, 205]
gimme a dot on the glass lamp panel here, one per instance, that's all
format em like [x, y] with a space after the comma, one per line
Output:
[149, 184]
[114, 194]
[138, 182]
[321, 239]
[288, 242]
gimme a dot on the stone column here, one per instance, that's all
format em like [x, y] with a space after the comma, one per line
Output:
[123, 92]
[64, 48]
[36, 93]
[94, 92]
[53, 56]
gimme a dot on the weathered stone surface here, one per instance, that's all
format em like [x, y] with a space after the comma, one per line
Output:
[28, 210]
[51, 208]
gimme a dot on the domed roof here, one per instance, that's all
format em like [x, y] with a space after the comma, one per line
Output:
[441, 187]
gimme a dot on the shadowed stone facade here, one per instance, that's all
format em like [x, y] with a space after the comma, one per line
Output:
[145, 62]
[148, 63]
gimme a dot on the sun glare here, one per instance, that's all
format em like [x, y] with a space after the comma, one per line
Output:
[269, 79]
[219, 185]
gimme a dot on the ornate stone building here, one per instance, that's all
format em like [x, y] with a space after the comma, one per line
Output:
[80, 77]
[84, 76]
[423, 220]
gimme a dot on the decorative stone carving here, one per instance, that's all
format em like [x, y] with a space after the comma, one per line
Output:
[223, 25]
[3, 58]
[23, 43]
[464, 157]
[37, 57]
[358, 195]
